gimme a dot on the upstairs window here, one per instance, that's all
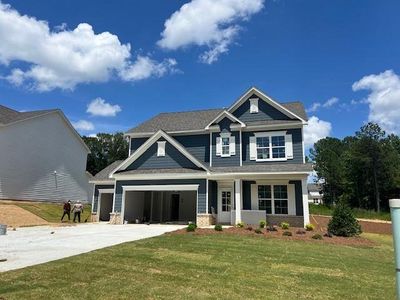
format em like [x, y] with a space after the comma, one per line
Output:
[225, 145]
[278, 146]
[271, 146]
[263, 147]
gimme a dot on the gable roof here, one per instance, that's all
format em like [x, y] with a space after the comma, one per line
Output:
[198, 120]
[8, 117]
[153, 139]
[287, 110]
[222, 115]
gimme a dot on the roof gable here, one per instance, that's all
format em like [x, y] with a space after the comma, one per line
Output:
[223, 115]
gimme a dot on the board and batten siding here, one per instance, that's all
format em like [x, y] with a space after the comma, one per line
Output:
[297, 148]
[173, 159]
[201, 193]
[32, 151]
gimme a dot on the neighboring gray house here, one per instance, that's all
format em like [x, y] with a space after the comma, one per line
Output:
[315, 194]
[245, 163]
[42, 157]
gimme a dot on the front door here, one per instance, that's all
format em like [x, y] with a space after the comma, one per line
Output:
[224, 205]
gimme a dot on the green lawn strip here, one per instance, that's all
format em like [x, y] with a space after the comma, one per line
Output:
[214, 266]
[358, 212]
[51, 212]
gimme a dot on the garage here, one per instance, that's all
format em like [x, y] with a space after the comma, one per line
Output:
[105, 205]
[161, 204]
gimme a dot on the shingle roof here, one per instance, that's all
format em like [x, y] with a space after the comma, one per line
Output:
[104, 174]
[273, 168]
[8, 115]
[162, 171]
[198, 119]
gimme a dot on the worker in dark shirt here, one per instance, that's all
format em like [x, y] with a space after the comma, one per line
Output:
[67, 210]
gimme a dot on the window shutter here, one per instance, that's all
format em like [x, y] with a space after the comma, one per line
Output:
[254, 196]
[289, 146]
[218, 146]
[232, 145]
[253, 149]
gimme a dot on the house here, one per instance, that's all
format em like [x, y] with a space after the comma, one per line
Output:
[245, 163]
[42, 157]
[315, 194]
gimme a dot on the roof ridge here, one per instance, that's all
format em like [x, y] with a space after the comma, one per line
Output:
[193, 110]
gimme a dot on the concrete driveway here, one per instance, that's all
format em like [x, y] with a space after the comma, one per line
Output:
[35, 245]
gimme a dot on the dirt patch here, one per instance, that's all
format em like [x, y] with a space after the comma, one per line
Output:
[306, 236]
[15, 216]
[321, 223]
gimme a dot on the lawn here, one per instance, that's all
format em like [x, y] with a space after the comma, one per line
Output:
[212, 267]
[358, 212]
[51, 212]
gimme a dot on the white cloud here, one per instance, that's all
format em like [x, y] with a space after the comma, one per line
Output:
[209, 23]
[145, 67]
[383, 99]
[99, 107]
[62, 58]
[327, 104]
[315, 130]
[93, 135]
[83, 125]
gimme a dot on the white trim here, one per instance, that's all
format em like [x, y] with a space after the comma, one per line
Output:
[106, 191]
[129, 150]
[161, 148]
[302, 144]
[280, 126]
[270, 134]
[102, 191]
[304, 191]
[150, 142]
[220, 117]
[238, 201]
[178, 132]
[266, 98]
[240, 148]
[211, 147]
[160, 187]
[99, 182]
[254, 105]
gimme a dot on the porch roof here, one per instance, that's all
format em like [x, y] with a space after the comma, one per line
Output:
[270, 168]
[161, 171]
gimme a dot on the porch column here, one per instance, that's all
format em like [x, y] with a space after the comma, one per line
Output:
[238, 201]
[306, 213]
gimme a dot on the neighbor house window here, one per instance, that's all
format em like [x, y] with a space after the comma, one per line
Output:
[262, 147]
[226, 200]
[264, 198]
[273, 199]
[281, 199]
[225, 146]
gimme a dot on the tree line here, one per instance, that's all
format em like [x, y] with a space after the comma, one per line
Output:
[362, 170]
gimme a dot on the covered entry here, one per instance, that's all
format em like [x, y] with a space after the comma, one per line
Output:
[105, 204]
[160, 204]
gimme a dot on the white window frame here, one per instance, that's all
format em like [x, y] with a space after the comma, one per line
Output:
[228, 206]
[231, 145]
[225, 136]
[270, 135]
[273, 198]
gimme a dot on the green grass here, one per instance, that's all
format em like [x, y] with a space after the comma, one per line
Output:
[51, 212]
[358, 212]
[212, 267]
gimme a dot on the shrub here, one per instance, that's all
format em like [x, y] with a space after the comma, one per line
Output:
[310, 227]
[317, 236]
[258, 230]
[300, 231]
[343, 222]
[263, 224]
[285, 225]
[191, 227]
[287, 233]
[218, 227]
[249, 228]
[240, 225]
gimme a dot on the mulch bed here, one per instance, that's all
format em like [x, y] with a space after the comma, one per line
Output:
[306, 236]
[321, 223]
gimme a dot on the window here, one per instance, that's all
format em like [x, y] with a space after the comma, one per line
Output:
[273, 199]
[262, 147]
[226, 200]
[278, 146]
[316, 201]
[264, 198]
[281, 199]
[225, 146]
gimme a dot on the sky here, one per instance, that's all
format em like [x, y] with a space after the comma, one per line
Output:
[110, 65]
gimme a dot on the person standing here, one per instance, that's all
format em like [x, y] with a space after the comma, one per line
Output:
[77, 210]
[67, 210]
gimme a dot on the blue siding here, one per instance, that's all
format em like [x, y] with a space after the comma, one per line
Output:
[197, 145]
[212, 196]
[298, 196]
[234, 160]
[297, 148]
[96, 194]
[265, 112]
[172, 159]
[136, 143]
[201, 195]
[246, 187]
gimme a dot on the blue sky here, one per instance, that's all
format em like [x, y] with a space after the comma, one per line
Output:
[340, 57]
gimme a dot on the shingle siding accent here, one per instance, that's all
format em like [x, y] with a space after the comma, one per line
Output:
[298, 196]
[265, 112]
[297, 148]
[96, 194]
[172, 159]
[201, 195]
